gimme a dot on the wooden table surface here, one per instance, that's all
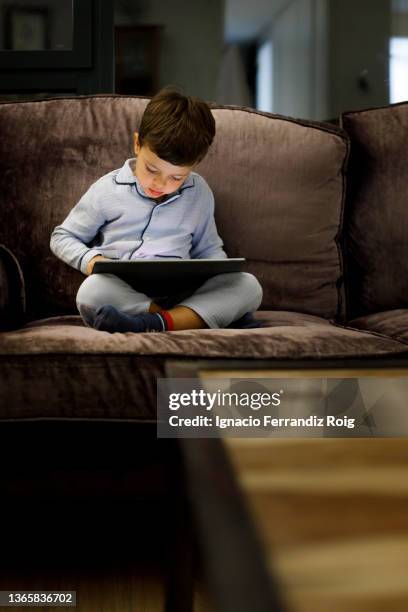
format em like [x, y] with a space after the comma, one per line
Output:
[332, 515]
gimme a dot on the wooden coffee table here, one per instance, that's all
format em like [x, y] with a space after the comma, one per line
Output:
[300, 524]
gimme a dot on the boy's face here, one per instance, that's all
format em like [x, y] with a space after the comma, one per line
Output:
[157, 177]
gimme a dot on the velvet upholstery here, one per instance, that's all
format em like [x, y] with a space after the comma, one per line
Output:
[278, 184]
[279, 189]
[63, 146]
[58, 368]
[283, 335]
[376, 220]
[391, 323]
[12, 291]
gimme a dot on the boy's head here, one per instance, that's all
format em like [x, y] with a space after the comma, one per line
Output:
[174, 136]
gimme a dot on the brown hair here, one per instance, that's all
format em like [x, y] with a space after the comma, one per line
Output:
[177, 128]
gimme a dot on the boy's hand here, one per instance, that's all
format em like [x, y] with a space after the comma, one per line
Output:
[91, 263]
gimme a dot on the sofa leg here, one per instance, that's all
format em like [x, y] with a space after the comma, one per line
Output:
[179, 594]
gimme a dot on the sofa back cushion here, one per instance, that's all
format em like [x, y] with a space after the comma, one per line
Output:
[376, 218]
[50, 153]
[278, 186]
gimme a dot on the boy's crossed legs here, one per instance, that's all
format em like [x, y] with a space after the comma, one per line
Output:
[109, 303]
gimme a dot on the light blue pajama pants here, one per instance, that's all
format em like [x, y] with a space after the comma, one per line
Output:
[219, 301]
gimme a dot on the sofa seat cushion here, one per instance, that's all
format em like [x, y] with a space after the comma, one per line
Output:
[392, 323]
[283, 335]
[59, 368]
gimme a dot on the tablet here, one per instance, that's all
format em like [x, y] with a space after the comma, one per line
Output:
[164, 277]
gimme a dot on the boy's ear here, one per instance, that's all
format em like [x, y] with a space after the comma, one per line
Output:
[136, 144]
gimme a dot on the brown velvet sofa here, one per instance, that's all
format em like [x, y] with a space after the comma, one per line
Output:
[319, 211]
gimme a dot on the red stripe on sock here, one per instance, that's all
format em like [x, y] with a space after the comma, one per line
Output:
[168, 318]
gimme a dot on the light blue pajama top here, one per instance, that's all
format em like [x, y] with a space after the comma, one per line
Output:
[116, 219]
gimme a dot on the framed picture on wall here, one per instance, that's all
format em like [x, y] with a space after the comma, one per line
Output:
[26, 28]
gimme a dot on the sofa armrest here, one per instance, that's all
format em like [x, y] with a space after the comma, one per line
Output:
[12, 291]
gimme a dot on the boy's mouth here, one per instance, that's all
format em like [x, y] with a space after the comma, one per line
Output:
[156, 193]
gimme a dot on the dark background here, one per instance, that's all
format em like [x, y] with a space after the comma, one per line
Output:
[304, 58]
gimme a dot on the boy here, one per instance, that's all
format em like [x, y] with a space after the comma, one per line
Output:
[155, 206]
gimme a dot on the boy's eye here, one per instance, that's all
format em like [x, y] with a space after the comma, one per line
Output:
[175, 178]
